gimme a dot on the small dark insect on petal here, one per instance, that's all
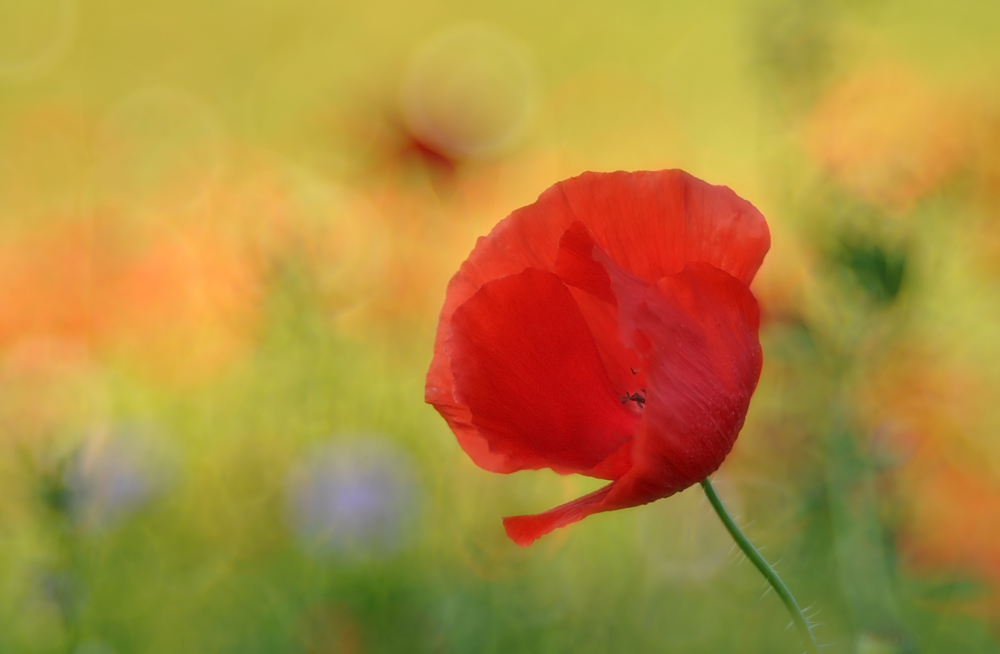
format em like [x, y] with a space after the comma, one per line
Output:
[640, 400]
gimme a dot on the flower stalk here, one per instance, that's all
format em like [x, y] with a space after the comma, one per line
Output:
[798, 618]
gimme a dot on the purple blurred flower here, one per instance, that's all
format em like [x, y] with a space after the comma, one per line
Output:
[354, 497]
[113, 474]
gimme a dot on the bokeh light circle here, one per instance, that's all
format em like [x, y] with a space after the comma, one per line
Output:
[469, 92]
[35, 35]
[683, 538]
[336, 234]
[158, 146]
[475, 502]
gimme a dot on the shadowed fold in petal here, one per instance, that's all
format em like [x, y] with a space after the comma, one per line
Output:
[608, 297]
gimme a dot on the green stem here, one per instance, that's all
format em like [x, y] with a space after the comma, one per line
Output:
[765, 569]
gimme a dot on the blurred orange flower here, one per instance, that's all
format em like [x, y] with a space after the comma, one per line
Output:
[886, 136]
[178, 299]
[951, 524]
[187, 303]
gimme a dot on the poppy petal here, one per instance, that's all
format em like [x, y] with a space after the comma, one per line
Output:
[704, 361]
[526, 529]
[576, 266]
[525, 364]
[439, 392]
[652, 223]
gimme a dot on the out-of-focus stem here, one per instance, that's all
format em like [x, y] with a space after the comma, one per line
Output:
[765, 568]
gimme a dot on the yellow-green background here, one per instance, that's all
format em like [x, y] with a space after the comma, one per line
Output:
[216, 245]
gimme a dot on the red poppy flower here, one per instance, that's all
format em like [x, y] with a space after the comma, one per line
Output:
[607, 330]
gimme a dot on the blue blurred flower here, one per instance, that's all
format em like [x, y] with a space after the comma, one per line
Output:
[114, 473]
[354, 497]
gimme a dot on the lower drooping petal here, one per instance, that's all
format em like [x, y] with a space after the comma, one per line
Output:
[526, 529]
[526, 366]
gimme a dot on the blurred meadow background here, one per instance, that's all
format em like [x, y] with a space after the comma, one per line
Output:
[225, 233]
